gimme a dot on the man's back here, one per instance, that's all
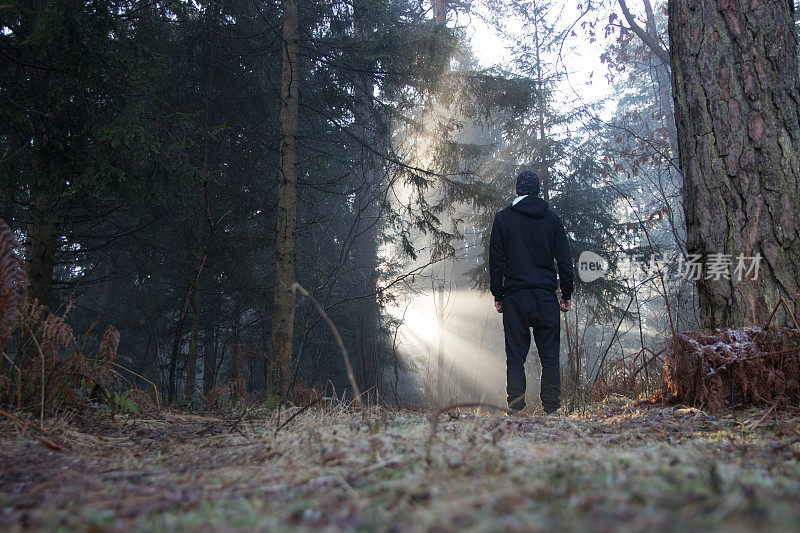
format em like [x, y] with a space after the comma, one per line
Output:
[526, 239]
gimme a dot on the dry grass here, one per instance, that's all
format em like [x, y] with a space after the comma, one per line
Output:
[618, 468]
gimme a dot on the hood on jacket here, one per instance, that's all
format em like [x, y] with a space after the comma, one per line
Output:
[532, 206]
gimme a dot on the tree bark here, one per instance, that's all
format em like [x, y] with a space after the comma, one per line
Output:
[108, 292]
[41, 238]
[365, 256]
[191, 358]
[735, 86]
[212, 14]
[209, 358]
[440, 11]
[40, 246]
[544, 148]
[283, 304]
[39, 262]
[440, 377]
[368, 209]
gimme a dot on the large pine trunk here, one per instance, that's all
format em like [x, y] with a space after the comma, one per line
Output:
[279, 369]
[735, 86]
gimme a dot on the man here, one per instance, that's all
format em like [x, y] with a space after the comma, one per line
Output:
[527, 239]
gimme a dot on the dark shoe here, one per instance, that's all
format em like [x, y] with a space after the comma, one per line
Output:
[516, 406]
[551, 411]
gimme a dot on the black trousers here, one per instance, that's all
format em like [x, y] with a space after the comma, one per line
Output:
[538, 309]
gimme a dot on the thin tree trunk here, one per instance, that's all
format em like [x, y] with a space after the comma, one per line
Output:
[663, 82]
[735, 85]
[191, 361]
[440, 381]
[365, 245]
[238, 380]
[209, 359]
[440, 11]
[108, 294]
[283, 304]
[172, 385]
[176, 345]
[544, 162]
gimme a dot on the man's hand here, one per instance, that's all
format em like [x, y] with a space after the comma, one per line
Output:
[498, 306]
[564, 305]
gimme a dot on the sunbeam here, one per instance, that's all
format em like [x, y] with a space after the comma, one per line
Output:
[469, 340]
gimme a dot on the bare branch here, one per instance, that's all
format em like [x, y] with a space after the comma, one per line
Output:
[649, 40]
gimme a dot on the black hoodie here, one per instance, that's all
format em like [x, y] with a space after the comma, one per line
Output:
[527, 238]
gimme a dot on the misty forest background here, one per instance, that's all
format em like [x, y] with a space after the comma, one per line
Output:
[170, 167]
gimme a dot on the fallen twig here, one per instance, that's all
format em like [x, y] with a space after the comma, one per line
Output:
[302, 410]
[356, 391]
[783, 301]
[26, 424]
[754, 426]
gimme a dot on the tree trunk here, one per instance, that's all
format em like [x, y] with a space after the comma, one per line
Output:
[544, 149]
[735, 85]
[440, 11]
[209, 359]
[191, 358]
[191, 361]
[440, 378]
[662, 78]
[238, 379]
[368, 209]
[108, 291]
[283, 305]
[40, 246]
[365, 250]
[172, 380]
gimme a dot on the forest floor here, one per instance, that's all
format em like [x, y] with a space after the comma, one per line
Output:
[614, 468]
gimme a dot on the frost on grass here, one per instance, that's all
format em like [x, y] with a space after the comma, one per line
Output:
[616, 468]
[749, 366]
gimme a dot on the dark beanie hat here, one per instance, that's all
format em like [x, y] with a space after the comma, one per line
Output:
[528, 183]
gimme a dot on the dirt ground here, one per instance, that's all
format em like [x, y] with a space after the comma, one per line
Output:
[616, 468]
